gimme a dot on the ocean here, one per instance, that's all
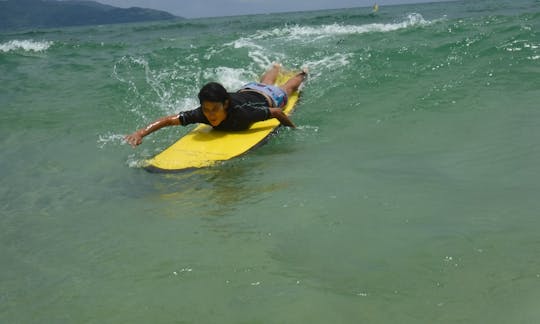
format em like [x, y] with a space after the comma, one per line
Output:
[409, 193]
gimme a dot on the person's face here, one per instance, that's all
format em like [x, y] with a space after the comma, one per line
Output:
[215, 112]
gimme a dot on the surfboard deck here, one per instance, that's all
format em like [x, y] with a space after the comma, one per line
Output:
[204, 146]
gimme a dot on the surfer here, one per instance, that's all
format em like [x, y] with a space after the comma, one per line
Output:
[255, 101]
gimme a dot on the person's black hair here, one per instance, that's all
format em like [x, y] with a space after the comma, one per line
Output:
[214, 92]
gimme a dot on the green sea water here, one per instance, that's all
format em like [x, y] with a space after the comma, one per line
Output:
[408, 194]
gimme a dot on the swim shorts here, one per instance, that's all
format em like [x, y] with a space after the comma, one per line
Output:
[276, 94]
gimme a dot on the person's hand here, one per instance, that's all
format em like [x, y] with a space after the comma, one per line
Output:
[282, 117]
[134, 139]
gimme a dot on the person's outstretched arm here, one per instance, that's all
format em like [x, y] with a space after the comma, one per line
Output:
[136, 138]
[282, 117]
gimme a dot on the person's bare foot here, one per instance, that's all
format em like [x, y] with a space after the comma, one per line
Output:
[276, 66]
[304, 73]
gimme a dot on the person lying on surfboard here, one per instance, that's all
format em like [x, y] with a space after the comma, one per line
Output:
[255, 101]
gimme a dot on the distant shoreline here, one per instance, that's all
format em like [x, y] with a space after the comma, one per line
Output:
[21, 14]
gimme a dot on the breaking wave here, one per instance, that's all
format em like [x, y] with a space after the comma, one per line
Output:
[25, 45]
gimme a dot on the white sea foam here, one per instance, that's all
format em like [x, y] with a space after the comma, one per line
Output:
[263, 54]
[135, 162]
[184, 104]
[230, 78]
[298, 32]
[331, 62]
[258, 53]
[106, 139]
[25, 45]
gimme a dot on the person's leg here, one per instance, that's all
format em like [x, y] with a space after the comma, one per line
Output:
[271, 75]
[294, 83]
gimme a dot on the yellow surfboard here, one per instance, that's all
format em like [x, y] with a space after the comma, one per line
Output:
[205, 146]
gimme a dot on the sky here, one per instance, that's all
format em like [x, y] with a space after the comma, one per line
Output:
[214, 8]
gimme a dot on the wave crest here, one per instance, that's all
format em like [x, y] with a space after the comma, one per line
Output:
[336, 29]
[25, 45]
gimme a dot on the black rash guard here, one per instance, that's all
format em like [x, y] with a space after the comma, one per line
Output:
[245, 109]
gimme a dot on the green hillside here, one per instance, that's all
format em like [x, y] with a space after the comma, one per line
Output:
[16, 14]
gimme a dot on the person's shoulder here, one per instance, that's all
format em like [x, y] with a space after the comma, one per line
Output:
[238, 101]
[192, 116]
[236, 96]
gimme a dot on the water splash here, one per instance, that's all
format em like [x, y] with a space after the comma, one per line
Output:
[161, 88]
[230, 78]
[108, 139]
